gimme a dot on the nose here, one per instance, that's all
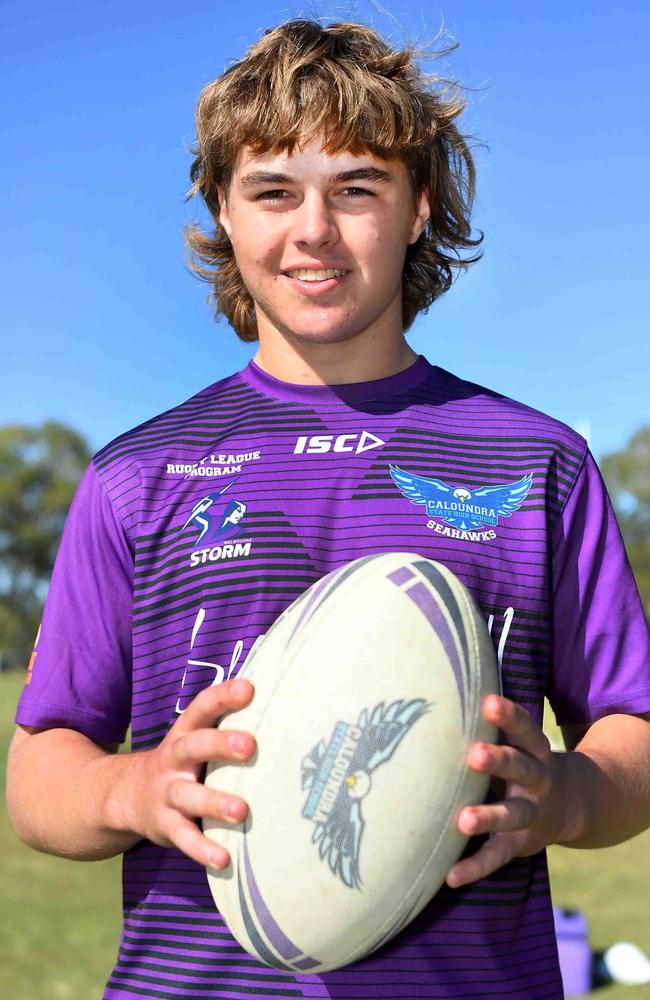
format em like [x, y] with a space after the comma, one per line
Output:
[314, 224]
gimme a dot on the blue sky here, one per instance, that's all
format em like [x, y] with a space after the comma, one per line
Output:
[103, 326]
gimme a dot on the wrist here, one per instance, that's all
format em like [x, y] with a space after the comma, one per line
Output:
[574, 777]
[121, 807]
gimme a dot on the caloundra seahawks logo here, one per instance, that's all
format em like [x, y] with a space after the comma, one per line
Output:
[338, 776]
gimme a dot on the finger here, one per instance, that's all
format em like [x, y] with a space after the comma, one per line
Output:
[213, 702]
[509, 764]
[201, 745]
[520, 728]
[501, 817]
[494, 853]
[196, 801]
[189, 839]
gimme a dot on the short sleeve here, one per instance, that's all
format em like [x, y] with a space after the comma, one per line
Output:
[79, 675]
[601, 644]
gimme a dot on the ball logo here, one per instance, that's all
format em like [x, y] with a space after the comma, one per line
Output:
[338, 775]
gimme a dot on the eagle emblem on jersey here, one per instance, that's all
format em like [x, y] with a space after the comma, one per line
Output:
[459, 506]
[338, 775]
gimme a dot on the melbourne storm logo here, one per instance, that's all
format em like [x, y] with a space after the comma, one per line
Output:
[463, 509]
[216, 519]
[338, 776]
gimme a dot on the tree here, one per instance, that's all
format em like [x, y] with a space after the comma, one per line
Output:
[627, 473]
[40, 468]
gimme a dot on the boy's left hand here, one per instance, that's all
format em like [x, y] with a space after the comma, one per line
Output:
[533, 810]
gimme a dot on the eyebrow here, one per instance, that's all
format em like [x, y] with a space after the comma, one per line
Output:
[373, 174]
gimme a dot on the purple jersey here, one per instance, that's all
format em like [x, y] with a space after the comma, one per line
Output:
[190, 534]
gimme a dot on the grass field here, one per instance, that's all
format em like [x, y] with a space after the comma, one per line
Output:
[59, 920]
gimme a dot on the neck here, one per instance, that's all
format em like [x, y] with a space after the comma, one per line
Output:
[333, 364]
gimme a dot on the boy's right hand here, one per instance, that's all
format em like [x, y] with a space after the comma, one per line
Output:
[168, 796]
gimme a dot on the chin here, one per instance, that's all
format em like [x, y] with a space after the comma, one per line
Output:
[310, 331]
[337, 335]
[320, 326]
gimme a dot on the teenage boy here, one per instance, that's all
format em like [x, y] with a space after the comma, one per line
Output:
[340, 187]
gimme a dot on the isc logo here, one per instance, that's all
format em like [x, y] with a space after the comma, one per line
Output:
[319, 444]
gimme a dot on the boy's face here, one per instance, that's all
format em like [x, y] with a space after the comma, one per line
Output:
[320, 241]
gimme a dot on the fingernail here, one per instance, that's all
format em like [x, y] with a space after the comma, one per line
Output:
[239, 744]
[240, 688]
[233, 808]
[497, 708]
[470, 822]
[217, 858]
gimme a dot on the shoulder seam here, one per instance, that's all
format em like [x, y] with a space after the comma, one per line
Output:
[104, 454]
[113, 507]
[573, 484]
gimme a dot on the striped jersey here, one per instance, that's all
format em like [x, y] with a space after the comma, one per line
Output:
[188, 537]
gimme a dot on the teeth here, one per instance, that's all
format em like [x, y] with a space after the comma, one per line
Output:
[305, 275]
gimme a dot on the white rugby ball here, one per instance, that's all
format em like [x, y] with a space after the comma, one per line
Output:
[367, 695]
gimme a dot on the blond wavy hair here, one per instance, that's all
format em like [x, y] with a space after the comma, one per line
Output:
[343, 84]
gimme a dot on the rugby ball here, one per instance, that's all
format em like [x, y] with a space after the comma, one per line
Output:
[367, 695]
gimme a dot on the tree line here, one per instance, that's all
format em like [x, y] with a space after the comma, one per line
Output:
[41, 466]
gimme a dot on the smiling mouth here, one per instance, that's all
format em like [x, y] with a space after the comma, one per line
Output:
[325, 274]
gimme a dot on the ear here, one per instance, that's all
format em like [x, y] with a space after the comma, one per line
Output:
[224, 215]
[422, 216]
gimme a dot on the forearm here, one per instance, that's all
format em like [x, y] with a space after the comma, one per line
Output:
[605, 783]
[66, 796]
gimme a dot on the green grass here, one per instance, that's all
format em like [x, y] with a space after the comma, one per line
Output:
[612, 888]
[60, 920]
